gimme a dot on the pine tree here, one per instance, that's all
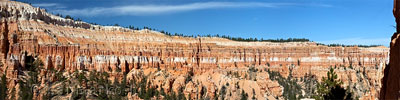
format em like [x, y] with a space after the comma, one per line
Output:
[330, 87]
[64, 90]
[69, 17]
[244, 95]
[222, 92]
[3, 87]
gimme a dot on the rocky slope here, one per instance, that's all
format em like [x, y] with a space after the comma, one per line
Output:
[197, 67]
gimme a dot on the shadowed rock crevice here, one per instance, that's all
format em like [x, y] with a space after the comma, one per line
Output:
[6, 44]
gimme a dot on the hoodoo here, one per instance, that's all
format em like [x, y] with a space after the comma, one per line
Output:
[36, 43]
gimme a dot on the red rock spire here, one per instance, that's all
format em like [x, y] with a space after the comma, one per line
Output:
[396, 14]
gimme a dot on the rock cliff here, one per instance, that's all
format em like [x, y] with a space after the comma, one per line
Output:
[390, 83]
[216, 64]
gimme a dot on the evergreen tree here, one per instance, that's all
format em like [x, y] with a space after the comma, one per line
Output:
[222, 92]
[64, 90]
[244, 95]
[69, 17]
[25, 91]
[3, 87]
[330, 88]
[122, 87]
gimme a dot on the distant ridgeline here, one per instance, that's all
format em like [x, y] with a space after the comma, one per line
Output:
[226, 36]
[255, 39]
[252, 39]
[342, 45]
[229, 37]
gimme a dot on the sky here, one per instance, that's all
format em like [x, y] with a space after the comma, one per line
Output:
[350, 22]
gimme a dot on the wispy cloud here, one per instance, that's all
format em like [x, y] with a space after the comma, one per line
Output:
[49, 5]
[139, 10]
[359, 41]
[45, 4]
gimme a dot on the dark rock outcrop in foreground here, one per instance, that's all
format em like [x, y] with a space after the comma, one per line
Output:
[391, 80]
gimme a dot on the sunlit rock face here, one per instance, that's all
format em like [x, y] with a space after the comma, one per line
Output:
[70, 46]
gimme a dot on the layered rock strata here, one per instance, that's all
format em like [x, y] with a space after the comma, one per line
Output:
[67, 45]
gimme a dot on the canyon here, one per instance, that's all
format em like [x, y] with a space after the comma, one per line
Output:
[214, 65]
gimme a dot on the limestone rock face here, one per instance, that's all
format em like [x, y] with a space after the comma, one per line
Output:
[63, 44]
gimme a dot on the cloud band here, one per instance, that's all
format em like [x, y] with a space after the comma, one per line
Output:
[139, 10]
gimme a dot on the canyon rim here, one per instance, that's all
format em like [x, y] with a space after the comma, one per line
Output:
[45, 56]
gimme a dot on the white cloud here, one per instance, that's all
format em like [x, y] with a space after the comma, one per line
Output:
[49, 5]
[139, 10]
[359, 41]
[45, 4]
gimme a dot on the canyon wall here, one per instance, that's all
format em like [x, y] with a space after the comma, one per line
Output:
[67, 45]
[390, 81]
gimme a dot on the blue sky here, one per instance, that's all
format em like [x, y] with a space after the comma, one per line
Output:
[327, 21]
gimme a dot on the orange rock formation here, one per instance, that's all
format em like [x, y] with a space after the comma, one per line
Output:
[69, 45]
